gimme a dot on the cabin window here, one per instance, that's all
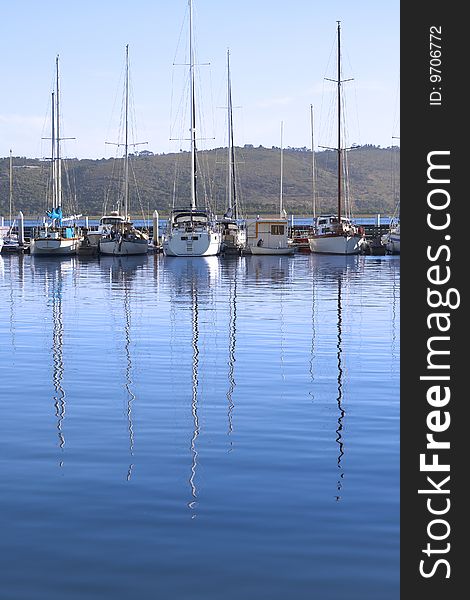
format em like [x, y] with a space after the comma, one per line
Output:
[277, 229]
[322, 221]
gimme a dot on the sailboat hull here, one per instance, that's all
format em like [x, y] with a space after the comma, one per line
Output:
[202, 243]
[392, 244]
[264, 250]
[123, 247]
[391, 240]
[336, 244]
[55, 246]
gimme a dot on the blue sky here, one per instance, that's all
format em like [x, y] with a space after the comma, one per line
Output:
[280, 54]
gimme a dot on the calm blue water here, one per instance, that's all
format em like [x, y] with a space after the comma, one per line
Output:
[199, 428]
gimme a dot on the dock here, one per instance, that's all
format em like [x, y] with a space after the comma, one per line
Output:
[298, 233]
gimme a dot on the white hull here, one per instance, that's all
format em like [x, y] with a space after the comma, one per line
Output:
[55, 246]
[264, 250]
[9, 243]
[393, 244]
[391, 241]
[336, 244]
[94, 238]
[123, 247]
[200, 243]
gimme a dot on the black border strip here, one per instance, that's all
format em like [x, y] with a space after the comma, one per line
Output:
[433, 131]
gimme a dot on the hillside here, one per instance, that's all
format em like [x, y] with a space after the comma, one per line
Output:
[370, 173]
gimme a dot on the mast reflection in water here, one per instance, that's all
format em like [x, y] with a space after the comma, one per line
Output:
[339, 399]
[195, 364]
[53, 281]
[122, 270]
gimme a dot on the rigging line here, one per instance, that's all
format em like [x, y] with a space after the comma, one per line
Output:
[137, 190]
[117, 93]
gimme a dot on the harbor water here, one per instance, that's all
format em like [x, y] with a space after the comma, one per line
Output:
[205, 428]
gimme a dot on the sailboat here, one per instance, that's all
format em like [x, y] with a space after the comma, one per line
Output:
[10, 241]
[269, 235]
[122, 238]
[58, 235]
[391, 239]
[193, 230]
[299, 234]
[336, 233]
[233, 231]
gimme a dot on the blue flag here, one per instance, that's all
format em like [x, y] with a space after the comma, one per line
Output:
[55, 213]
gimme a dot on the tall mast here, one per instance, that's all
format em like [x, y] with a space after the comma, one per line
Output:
[231, 189]
[11, 186]
[53, 161]
[339, 124]
[193, 111]
[229, 121]
[282, 169]
[126, 139]
[314, 207]
[58, 159]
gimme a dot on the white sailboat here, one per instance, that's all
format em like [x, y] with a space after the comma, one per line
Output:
[10, 241]
[391, 240]
[269, 235]
[193, 230]
[121, 238]
[58, 235]
[233, 228]
[336, 233]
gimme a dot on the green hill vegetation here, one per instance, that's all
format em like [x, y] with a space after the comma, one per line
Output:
[373, 177]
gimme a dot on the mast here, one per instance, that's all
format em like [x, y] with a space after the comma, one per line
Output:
[54, 178]
[192, 110]
[339, 123]
[229, 121]
[11, 188]
[314, 207]
[282, 169]
[231, 189]
[126, 139]
[58, 159]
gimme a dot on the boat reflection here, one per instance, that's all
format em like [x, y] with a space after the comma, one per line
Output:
[194, 390]
[123, 270]
[231, 268]
[128, 384]
[53, 272]
[193, 285]
[269, 268]
[339, 270]
[339, 399]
